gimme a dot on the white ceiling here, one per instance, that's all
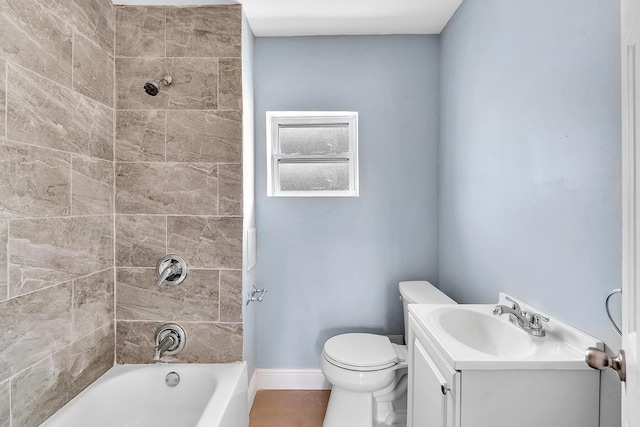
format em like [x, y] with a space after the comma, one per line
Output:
[334, 17]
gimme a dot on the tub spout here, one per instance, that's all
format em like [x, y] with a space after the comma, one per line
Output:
[166, 343]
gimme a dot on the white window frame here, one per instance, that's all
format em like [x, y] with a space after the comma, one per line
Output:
[276, 118]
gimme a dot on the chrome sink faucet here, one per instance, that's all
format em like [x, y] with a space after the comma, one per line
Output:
[529, 322]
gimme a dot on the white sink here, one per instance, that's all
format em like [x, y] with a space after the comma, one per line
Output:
[470, 336]
[483, 331]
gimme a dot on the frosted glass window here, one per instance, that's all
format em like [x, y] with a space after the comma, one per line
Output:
[314, 139]
[314, 176]
[312, 153]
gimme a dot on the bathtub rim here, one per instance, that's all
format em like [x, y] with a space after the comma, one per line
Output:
[231, 378]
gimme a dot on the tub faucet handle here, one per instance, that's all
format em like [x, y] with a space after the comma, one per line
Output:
[172, 270]
[170, 339]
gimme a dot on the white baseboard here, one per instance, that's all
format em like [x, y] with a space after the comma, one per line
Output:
[289, 379]
[253, 388]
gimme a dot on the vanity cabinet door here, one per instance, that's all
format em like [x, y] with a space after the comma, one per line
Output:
[432, 400]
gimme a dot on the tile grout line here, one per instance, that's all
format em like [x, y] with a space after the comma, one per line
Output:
[92, 158]
[114, 193]
[70, 186]
[155, 58]
[8, 251]
[57, 150]
[10, 400]
[61, 283]
[206, 216]
[189, 322]
[182, 110]
[164, 10]
[73, 51]
[6, 100]
[73, 312]
[129, 267]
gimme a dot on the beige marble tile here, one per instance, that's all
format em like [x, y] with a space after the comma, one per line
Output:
[229, 190]
[34, 181]
[4, 268]
[44, 252]
[92, 71]
[141, 240]
[3, 97]
[140, 136]
[166, 188]
[213, 343]
[40, 391]
[135, 341]
[140, 31]
[206, 242]
[36, 39]
[230, 89]
[94, 19]
[92, 302]
[52, 116]
[92, 183]
[206, 342]
[204, 136]
[90, 357]
[212, 31]
[231, 296]
[139, 298]
[194, 87]
[33, 327]
[5, 404]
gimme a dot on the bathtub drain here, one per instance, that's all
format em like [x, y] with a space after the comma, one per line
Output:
[172, 379]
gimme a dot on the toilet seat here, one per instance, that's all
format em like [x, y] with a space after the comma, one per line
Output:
[362, 352]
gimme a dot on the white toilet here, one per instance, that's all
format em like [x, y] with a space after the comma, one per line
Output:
[368, 373]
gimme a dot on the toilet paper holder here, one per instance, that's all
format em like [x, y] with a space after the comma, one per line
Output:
[256, 294]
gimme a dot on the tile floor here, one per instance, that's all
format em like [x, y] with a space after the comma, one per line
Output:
[289, 408]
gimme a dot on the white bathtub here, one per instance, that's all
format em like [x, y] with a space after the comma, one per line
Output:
[137, 396]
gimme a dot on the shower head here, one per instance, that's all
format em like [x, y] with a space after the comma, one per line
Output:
[152, 87]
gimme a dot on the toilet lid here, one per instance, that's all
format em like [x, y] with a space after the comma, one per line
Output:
[355, 351]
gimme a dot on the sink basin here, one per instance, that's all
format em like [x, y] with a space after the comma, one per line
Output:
[470, 336]
[485, 332]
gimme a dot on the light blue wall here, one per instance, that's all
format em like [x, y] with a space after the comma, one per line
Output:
[333, 264]
[530, 199]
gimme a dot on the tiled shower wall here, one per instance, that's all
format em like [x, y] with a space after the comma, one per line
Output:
[56, 203]
[179, 179]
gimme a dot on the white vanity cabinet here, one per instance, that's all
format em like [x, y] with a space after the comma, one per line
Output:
[434, 386]
[446, 391]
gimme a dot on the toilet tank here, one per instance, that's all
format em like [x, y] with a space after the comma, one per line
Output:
[419, 292]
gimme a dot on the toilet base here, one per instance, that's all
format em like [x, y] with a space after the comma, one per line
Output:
[348, 408]
[383, 408]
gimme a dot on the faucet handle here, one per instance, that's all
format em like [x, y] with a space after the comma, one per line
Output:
[515, 305]
[536, 320]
